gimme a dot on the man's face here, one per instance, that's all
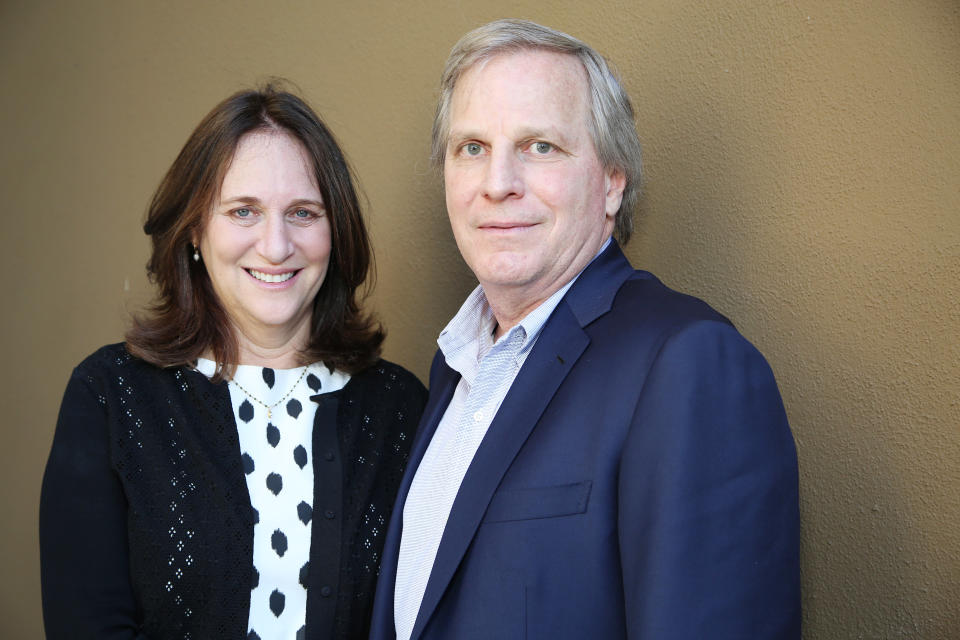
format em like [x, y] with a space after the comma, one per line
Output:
[529, 202]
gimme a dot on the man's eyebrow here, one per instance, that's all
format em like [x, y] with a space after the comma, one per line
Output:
[527, 133]
[461, 135]
[522, 134]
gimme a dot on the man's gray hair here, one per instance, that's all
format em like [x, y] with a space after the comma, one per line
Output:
[612, 126]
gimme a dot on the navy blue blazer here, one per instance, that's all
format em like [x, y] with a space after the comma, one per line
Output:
[638, 481]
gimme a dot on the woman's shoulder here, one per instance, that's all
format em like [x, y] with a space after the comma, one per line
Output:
[115, 355]
[107, 376]
[386, 380]
[112, 360]
[379, 410]
[389, 374]
[104, 361]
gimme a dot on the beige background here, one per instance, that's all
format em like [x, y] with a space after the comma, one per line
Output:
[803, 176]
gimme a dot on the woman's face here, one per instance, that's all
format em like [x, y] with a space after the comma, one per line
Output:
[266, 242]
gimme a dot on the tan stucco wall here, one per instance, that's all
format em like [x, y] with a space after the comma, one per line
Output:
[803, 176]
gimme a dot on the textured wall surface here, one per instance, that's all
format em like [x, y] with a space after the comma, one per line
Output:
[803, 176]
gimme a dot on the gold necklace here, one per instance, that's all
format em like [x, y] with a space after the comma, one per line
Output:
[269, 407]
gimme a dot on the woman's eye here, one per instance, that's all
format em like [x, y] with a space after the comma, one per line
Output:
[472, 148]
[242, 213]
[542, 147]
[304, 216]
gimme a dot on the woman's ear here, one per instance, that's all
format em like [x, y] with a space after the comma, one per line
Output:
[195, 246]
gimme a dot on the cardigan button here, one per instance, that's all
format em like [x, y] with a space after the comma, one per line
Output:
[329, 514]
[326, 591]
[328, 456]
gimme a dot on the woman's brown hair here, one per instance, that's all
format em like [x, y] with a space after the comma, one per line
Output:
[186, 319]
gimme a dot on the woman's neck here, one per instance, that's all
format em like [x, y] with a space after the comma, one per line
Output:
[274, 349]
[283, 357]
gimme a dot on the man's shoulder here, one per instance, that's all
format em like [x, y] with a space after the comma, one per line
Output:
[646, 315]
[644, 299]
[611, 292]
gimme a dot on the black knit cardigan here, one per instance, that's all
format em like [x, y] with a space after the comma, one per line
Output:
[146, 527]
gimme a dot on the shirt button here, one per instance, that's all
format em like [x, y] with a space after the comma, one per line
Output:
[325, 592]
[329, 514]
[478, 416]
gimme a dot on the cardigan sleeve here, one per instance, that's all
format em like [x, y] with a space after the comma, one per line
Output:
[84, 558]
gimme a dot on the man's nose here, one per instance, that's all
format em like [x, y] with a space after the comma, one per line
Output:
[275, 243]
[504, 175]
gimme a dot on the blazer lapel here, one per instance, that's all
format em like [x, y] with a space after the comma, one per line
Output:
[442, 386]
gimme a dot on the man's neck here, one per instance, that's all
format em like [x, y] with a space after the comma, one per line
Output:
[509, 313]
[512, 303]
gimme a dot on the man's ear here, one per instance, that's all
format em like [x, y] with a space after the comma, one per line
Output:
[615, 181]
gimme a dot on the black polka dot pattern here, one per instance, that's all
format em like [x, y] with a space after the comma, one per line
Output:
[294, 408]
[275, 483]
[273, 435]
[246, 411]
[300, 456]
[276, 452]
[304, 512]
[277, 602]
[253, 635]
[279, 542]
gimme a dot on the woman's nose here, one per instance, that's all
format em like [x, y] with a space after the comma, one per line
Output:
[275, 243]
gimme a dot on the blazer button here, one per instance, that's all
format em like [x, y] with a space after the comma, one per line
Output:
[325, 592]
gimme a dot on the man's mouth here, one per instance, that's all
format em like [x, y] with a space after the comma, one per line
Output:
[506, 226]
[272, 278]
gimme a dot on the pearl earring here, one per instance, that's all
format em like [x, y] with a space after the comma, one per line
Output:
[196, 254]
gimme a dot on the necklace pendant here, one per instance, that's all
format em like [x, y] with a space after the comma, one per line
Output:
[269, 413]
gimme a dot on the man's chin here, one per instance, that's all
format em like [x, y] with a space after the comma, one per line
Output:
[506, 271]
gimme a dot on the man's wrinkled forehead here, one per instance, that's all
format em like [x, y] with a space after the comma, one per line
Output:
[550, 88]
[560, 60]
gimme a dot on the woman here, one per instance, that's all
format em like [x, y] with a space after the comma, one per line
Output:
[229, 470]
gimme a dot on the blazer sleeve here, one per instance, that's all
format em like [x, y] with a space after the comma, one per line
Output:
[84, 561]
[708, 502]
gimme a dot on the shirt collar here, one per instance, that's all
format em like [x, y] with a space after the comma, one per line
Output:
[468, 337]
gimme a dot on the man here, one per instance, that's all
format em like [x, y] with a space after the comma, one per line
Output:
[600, 457]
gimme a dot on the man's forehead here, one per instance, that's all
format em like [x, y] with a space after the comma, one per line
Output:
[547, 83]
[563, 68]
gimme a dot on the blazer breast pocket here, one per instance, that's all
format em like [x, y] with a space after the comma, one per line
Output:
[531, 503]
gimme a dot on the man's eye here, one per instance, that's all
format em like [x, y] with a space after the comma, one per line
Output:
[542, 147]
[472, 148]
